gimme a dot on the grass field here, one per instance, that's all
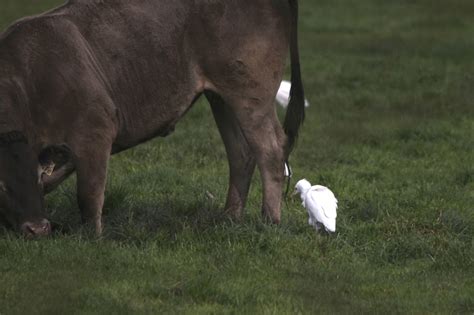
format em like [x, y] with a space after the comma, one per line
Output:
[390, 131]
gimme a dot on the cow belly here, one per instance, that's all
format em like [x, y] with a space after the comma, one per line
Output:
[141, 123]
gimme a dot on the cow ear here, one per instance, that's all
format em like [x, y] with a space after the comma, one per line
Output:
[53, 157]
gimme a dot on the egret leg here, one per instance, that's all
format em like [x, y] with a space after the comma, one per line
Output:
[318, 226]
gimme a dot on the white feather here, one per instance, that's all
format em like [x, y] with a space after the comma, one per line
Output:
[288, 172]
[283, 95]
[320, 203]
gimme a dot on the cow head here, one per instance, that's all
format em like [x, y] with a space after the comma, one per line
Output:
[21, 193]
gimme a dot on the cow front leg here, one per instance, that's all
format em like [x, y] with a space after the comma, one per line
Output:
[91, 169]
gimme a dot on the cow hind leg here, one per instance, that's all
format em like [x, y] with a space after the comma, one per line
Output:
[240, 158]
[258, 122]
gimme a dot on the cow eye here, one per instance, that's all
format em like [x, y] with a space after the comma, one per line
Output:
[3, 187]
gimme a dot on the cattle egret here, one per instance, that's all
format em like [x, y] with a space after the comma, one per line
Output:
[320, 203]
[283, 95]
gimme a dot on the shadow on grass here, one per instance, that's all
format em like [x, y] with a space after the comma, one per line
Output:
[126, 218]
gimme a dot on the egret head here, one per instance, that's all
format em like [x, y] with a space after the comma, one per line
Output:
[302, 187]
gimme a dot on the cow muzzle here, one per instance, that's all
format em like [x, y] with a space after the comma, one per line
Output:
[36, 229]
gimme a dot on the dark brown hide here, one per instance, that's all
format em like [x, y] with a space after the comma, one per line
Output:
[96, 77]
[20, 195]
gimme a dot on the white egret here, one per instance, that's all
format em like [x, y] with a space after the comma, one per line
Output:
[320, 203]
[283, 95]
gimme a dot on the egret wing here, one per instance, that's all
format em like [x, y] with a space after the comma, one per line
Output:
[324, 199]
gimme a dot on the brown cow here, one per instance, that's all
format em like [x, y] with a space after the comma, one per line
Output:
[95, 77]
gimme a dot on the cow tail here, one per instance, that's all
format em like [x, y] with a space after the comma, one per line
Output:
[295, 113]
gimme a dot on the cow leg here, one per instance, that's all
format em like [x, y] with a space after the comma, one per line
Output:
[91, 169]
[261, 128]
[240, 158]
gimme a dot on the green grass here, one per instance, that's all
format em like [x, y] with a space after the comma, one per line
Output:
[390, 131]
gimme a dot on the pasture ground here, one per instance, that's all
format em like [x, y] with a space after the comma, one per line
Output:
[390, 131]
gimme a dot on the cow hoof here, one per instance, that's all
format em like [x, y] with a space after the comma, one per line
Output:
[93, 225]
[271, 219]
